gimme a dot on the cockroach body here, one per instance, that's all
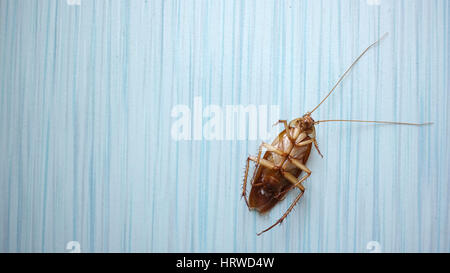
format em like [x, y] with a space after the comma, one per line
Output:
[279, 170]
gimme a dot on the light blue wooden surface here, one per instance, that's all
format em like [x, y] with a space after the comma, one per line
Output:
[86, 152]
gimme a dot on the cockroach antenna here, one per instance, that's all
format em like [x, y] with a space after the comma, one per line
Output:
[348, 70]
[355, 120]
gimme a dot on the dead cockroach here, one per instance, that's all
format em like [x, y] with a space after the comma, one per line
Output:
[278, 170]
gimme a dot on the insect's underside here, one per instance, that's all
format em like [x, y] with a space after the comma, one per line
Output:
[278, 171]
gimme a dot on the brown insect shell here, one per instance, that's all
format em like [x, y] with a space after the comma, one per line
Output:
[270, 186]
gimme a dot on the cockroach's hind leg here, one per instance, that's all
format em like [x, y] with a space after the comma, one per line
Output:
[285, 214]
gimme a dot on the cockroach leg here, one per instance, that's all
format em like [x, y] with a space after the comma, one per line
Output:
[299, 183]
[317, 147]
[302, 167]
[299, 165]
[313, 136]
[266, 163]
[286, 128]
[259, 153]
[257, 161]
[293, 180]
[306, 142]
[285, 214]
[273, 149]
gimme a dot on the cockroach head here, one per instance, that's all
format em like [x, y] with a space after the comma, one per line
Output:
[306, 122]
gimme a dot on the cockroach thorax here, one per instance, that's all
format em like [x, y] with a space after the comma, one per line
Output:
[304, 123]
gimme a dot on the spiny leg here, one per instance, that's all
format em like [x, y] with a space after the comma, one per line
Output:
[258, 158]
[285, 214]
[247, 165]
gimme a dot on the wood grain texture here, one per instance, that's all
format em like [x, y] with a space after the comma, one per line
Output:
[86, 96]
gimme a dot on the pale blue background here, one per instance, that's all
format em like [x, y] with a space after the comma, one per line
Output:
[86, 152]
